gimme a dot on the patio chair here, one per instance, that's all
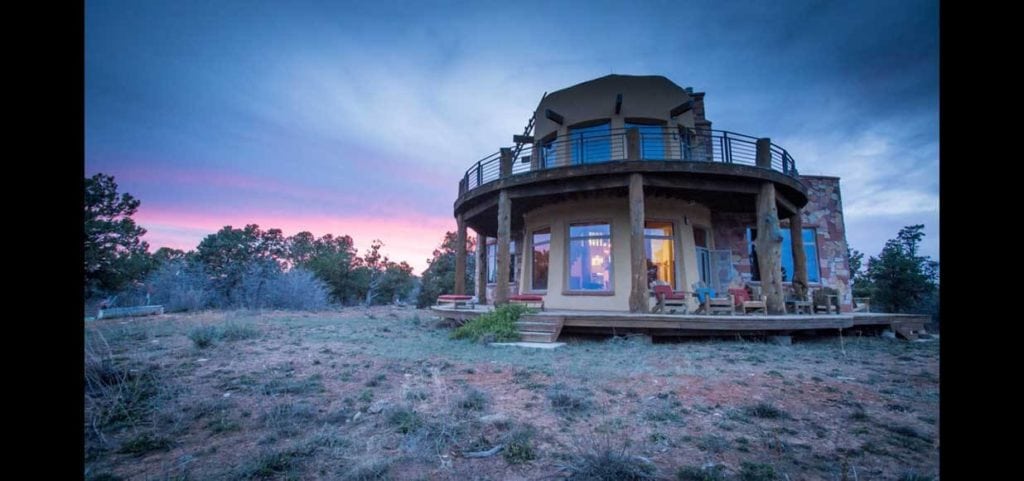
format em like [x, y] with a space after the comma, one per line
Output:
[710, 304]
[797, 305]
[667, 298]
[756, 301]
[824, 299]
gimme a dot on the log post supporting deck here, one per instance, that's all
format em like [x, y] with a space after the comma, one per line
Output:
[481, 269]
[460, 256]
[504, 257]
[769, 236]
[796, 228]
[637, 255]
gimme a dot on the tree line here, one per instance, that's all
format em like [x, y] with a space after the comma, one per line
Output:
[246, 267]
[900, 279]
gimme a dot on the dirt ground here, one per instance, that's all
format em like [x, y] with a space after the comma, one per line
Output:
[360, 394]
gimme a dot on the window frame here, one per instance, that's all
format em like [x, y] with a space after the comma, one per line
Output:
[566, 263]
[533, 289]
[673, 241]
[492, 247]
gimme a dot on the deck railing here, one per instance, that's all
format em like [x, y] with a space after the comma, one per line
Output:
[629, 145]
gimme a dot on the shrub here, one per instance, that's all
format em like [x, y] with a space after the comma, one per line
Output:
[519, 446]
[144, 443]
[765, 411]
[114, 392]
[404, 419]
[233, 331]
[568, 401]
[498, 325]
[707, 473]
[473, 400]
[757, 472]
[611, 465]
[180, 286]
[204, 336]
[297, 289]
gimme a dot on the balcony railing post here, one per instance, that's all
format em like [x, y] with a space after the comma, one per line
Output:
[633, 151]
[479, 173]
[505, 167]
[764, 153]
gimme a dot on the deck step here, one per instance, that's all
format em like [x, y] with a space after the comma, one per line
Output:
[538, 326]
[908, 330]
[531, 336]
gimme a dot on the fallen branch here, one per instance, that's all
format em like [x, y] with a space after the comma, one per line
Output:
[484, 454]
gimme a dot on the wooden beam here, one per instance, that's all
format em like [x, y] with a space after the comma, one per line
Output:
[637, 254]
[504, 257]
[796, 225]
[785, 203]
[713, 185]
[769, 248]
[681, 108]
[554, 116]
[485, 205]
[481, 269]
[534, 190]
[460, 256]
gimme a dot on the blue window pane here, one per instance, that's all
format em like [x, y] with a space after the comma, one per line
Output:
[652, 141]
[591, 144]
[810, 251]
[787, 257]
[589, 230]
[811, 248]
[550, 156]
[590, 265]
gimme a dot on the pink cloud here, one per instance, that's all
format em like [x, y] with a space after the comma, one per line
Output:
[411, 239]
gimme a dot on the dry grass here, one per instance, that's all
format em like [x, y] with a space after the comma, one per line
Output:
[383, 394]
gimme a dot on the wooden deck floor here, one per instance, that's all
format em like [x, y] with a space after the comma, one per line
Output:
[689, 324]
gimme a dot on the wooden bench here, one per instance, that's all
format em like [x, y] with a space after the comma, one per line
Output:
[456, 300]
[527, 300]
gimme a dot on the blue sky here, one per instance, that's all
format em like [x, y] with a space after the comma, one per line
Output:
[359, 118]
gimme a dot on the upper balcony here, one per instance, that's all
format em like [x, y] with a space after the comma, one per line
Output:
[714, 151]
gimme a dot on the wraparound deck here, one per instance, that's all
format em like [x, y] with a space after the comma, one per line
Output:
[703, 325]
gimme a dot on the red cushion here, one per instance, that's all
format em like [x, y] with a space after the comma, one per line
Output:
[676, 295]
[526, 297]
[454, 297]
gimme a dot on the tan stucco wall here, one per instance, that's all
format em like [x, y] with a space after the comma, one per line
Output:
[648, 97]
[557, 217]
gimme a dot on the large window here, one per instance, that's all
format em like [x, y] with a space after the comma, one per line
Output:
[810, 250]
[700, 240]
[590, 257]
[652, 140]
[658, 244]
[492, 260]
[541, 249]
[591, 144]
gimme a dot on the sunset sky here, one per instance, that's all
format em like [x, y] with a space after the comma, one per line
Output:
[360, 118]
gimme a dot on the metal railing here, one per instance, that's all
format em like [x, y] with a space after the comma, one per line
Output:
[670, 145]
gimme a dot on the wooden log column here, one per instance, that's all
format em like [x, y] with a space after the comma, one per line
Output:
[504, 257]
[460, 256]
[769, 236]
[481, 269]
[796, 230]
[637, 254]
